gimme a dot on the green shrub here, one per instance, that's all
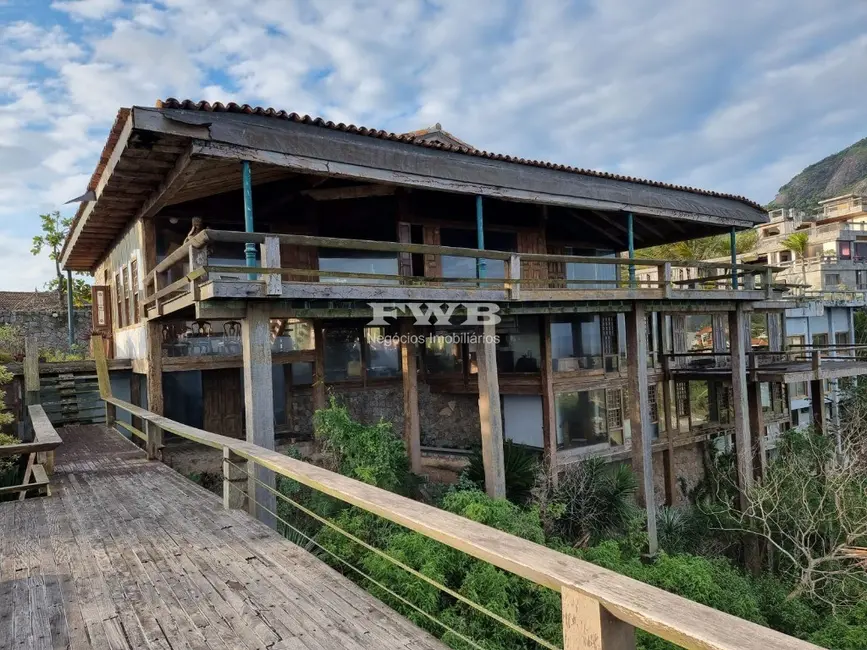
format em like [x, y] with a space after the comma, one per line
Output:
[12, 341]
[846, 631]
[520, 469]
[9, 466]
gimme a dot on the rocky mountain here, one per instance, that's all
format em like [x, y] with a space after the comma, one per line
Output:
[841, 173]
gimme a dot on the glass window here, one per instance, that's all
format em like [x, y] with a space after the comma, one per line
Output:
[581, 419]
[844, 250]
[291, 335]
[383, 352]
[832, 279]
[841, 338]
[591, 276]
[443, 353]
[302, 374]
[861, 279]
[820, 339]
[798, 389]
[860, 251]
[342, 353]
[699, 332]
[576, 342]
[699, 405]
[465, 267]
[519, 349]
[347, 261]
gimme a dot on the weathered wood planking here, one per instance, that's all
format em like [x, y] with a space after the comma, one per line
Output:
[130, 554]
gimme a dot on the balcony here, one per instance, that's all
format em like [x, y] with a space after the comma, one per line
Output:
[451, 275]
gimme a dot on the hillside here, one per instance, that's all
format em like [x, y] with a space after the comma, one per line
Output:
[840, 173]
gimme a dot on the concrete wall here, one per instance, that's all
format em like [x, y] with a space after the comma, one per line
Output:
[50, 329]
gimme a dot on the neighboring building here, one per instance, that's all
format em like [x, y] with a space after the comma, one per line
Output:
[586, 362]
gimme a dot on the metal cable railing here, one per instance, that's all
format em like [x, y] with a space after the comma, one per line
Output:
[417, 574]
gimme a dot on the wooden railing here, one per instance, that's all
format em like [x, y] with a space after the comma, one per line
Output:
[601, 608]
[39, 453]
[509, 286]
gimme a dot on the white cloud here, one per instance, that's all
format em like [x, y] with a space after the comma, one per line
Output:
[20, 270]
[735, 96]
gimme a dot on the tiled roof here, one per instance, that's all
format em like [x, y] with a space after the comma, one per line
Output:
[29, 301]
[218, 107]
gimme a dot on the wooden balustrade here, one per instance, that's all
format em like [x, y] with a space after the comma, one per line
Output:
[269, 276]
[601, 608]
[39, 454]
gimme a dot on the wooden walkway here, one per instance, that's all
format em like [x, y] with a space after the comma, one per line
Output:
[126, 553]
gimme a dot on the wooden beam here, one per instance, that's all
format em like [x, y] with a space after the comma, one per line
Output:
[639, 416]
[319, 398]
[597, 228]
[817, 400]
[411, 418]
[184, 169]
[490, 416]
[259, 407]
[350, 192]
[613, 223]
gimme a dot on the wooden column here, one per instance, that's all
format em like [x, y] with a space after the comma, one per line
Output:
[154, 381]
[757, 426]
[319, 398]
[549, 414]
[411, 419]
[740, 343]
[490, 416]
[259, 405]
[639, 416]
[587, 625]
[31, 381]
[817, 399]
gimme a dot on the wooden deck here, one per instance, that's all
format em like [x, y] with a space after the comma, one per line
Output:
[126, 553]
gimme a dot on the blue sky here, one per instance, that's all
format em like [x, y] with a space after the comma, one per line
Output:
[735, 96]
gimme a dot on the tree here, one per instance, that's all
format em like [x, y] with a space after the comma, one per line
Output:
[798, 242]
[55, 228]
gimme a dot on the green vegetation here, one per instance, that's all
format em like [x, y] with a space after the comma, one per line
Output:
[54, 231]
[520, 468]
[841, 173]
[590, 514]
[701, 249]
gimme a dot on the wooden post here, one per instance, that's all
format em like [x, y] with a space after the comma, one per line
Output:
[271, 259]
[639, 415]
[234, 481]
[31, 378]
[198, 258]
[154, 379]
[319, 398]
[259, 404]
[513, 277]
[411, 418]
[757, 426]
[549, 414]
[664, 273]
[490, 416]
[587, 625]
[817, 399]
[743, 440]
[154, 443]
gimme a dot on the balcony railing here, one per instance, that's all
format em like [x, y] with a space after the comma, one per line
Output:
[503, 281]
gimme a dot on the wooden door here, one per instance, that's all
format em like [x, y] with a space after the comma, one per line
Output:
[222, 402]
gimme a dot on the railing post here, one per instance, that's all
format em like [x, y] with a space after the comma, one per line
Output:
[817, 359]
[198, 260]
[664, 273]
[234, 481]
[749, 281]
[154, 440]
[513, 277]
[31, 377]
[769, 283]
[271, 260]
[587, 625]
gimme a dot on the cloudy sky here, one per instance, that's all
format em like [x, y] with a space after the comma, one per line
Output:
[735, 96]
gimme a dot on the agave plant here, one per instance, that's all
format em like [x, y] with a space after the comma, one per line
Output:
[520, 467]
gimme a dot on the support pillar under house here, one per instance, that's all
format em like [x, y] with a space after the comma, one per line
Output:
[411, 419]
[743, 438]
[259, 406]
[490, 416]
[639, 415]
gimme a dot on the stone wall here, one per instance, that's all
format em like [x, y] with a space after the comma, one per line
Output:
[50, 327]
[688, 472]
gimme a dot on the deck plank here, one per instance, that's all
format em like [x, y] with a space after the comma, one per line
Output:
[128, 554]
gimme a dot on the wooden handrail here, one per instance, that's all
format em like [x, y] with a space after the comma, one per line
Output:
[583, 585]
[45, 438]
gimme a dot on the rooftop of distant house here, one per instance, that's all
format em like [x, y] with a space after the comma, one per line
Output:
[28, 301]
